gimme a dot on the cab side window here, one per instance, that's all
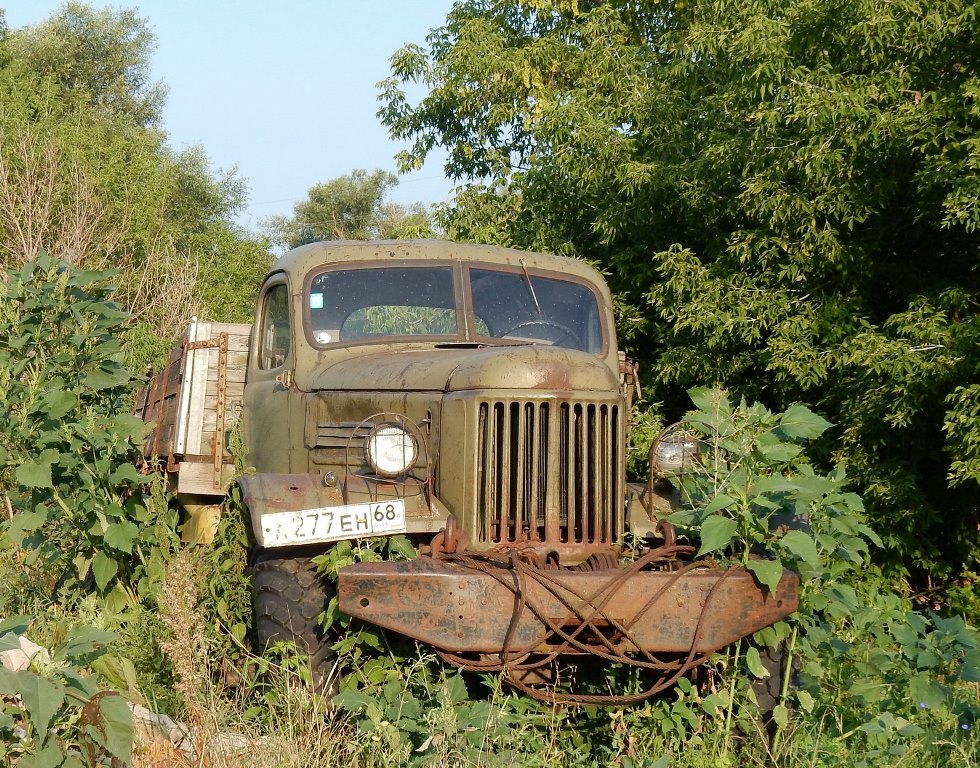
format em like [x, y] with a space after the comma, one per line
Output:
[274, 336]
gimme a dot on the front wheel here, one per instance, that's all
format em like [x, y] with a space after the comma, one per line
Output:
[287, 596]
[778, 662]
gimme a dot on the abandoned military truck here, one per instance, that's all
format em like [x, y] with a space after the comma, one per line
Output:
[472, 399]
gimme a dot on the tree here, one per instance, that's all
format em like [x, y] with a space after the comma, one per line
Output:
[86, 175]
[99, 58]
[351, 207]
[788, 192]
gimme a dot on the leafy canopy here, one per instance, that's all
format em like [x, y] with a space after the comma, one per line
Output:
[86, 174]
[351, 207]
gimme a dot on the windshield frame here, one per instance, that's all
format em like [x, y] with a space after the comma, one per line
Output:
[466, 321]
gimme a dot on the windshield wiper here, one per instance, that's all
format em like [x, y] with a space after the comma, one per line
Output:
[527, 279]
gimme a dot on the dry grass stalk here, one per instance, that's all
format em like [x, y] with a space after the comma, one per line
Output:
[186, 647]
[47, 203]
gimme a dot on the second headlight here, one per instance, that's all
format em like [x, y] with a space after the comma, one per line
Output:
[675, 451]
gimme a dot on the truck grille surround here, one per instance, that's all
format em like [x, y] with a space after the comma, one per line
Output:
[551, 472]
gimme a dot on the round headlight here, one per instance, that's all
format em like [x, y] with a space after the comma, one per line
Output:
[673, 452]
[390, 450]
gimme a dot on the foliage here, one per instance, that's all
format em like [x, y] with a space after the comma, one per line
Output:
[788, 190]
[428, 716]
[67, 443]
[870, 664]
[226, 589]
[55, 713]
[86, 175]
[345, 553]
[351, 207]
[98, 56]
[645, 426]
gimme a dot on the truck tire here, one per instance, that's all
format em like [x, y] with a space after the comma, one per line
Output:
[287, 596]
[768, 689]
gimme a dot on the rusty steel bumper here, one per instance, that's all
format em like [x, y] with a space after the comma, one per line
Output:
[491, 609]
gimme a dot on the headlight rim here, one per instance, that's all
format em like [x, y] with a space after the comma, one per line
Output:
[372, 459]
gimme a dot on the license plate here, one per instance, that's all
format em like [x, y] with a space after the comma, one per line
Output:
[352, 521]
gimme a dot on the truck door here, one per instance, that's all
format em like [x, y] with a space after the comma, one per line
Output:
[267, 392]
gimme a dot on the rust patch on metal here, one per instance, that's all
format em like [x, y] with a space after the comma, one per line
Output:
[498, 611]
[463, 610]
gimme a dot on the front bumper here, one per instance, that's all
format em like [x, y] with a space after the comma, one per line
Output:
[482, 606]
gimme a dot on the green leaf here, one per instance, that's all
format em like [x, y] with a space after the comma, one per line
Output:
[100, 379]
[780, 715]
[456, 689]
[59, 403]
[42, 697]
[807, 702]
[116, 726]
[125, 474]
[49, 756]
[17, 624]
[400, 548]
[716, 532]
[713, 410]
[25, 523]
[774, 449]
[799, 422]
[718, 503]
[121, 535]
[128, 425]
[874, 726]
[82, 642]
[803, 546]
[970, 668]
[104, 568]
[754, 663]
[352, 701]
[35, 474]
[767, 572]
[74, 760]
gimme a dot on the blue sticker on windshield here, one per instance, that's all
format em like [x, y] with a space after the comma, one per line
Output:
[316, 301]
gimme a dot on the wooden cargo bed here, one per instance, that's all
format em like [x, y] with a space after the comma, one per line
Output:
[194, 403]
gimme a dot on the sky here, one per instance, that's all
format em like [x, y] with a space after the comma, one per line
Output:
[286, 92]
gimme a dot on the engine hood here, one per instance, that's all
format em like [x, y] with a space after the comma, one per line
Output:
[454, 369]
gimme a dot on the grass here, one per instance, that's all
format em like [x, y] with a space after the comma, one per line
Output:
[265, 717]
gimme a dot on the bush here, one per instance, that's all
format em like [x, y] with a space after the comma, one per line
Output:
[872, 667]
[55, 712]
[67, 440]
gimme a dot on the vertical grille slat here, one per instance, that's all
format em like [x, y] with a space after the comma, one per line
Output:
[521, 481]
[568, 500]
[549, 472]
[606, 463]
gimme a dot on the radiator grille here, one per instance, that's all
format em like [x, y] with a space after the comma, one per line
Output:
[550, 472]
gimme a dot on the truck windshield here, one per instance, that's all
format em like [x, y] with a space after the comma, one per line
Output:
[381, 302]
[361, 304]
[536, 308]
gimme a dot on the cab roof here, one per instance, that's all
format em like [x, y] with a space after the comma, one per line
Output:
[301, 260]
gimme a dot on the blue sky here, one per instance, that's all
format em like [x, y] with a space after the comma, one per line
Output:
[286, 91]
